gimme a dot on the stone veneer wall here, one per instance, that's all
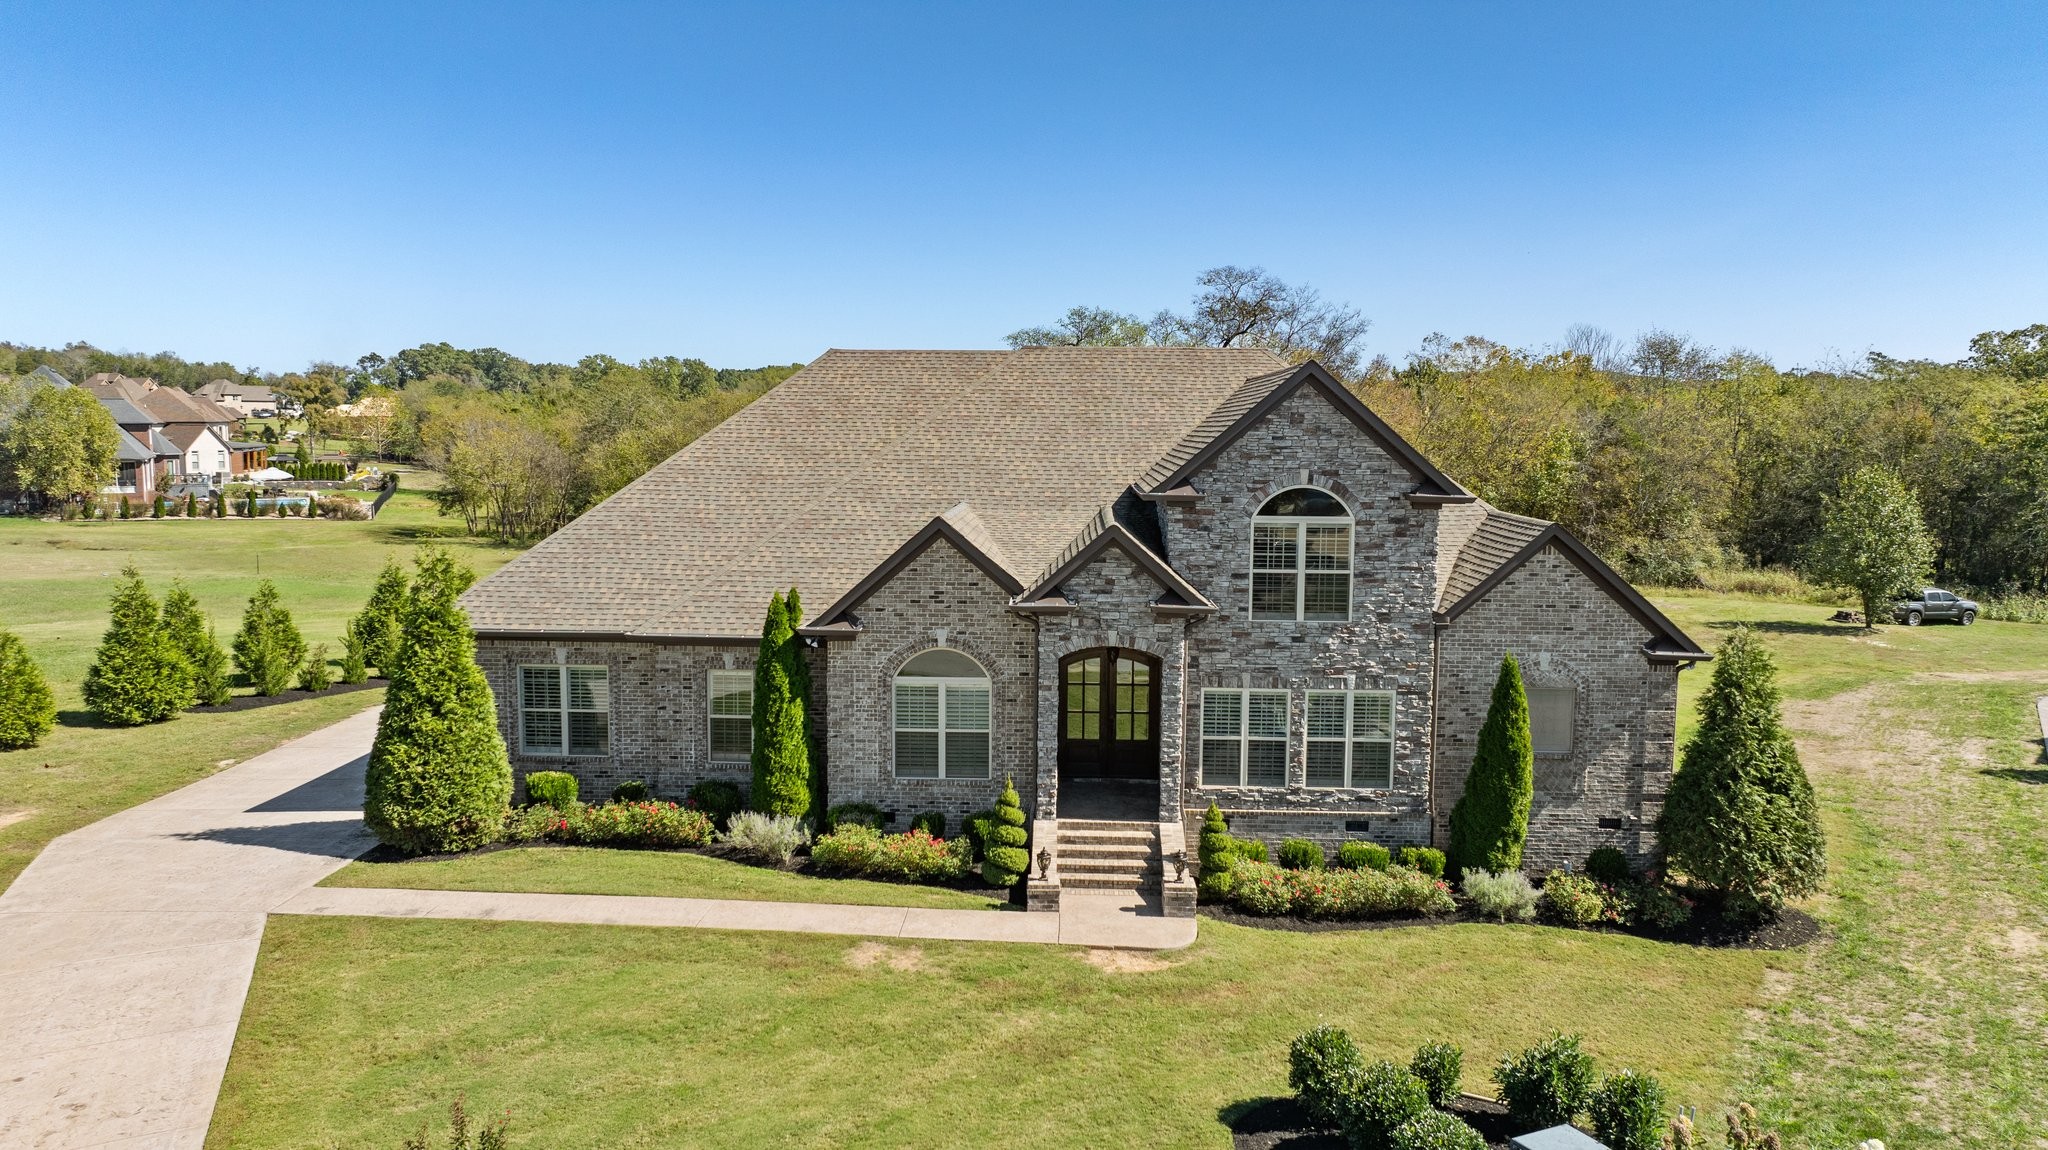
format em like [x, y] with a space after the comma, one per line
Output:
[1386, 645]
[1564, 631]
[660, 728]
[1112, 599]
[939, 599]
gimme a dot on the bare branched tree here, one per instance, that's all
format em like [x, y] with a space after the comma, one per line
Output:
[1085, 327]
[1250, 307]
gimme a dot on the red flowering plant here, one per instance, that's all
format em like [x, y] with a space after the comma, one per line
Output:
[915, 856]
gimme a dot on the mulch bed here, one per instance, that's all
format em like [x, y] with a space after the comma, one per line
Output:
[293, 695]
[1791, 930]
[1279, 1124]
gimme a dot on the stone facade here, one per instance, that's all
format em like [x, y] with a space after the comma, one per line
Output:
[659, 723]
[938, 599]
[1386, 645]
[1565, 631]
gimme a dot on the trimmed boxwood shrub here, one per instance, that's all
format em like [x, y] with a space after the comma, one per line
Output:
[1435, 1130]
[1252, 850]
[28, 710]
[1548, 1084]
[1363, 856]
[932, 823]
[555, 789]
[439, 779]
[1380, 1099]
[631, 791]
[1301, 854]
[1628, 1111]
[1439, 1065]
[851, 814]
[1320, 1065]
[1428, 860]
[1607, 865]
[717, 798]
[1006, 861]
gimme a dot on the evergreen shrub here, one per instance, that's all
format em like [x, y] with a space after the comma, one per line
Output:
[376, 625]
[1005, 860]
[1438, 1065]
[268, 649]
[1218, 853]
[1428, 860]
[932, 823]
[353, 668]
[1320, 1065]
[1301, 854]
[1436, 1130]
[781, 754]
[631, 791]
[1628, 1111]
[138, 674]
[28, 711]
[865, 814]
[314, 674]
[192, 633]
[1362, 856]
[555, 789]
[1608, 865]
[1548, 1084]
[1380, 1099]
[1490, 821]
[1575, 900]
[718, 799]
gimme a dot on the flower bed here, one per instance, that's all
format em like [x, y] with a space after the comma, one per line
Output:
[864, 852]
[1264, 889]
[650, 824]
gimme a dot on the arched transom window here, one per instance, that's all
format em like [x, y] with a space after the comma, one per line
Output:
[942, 717]
[1301, 557]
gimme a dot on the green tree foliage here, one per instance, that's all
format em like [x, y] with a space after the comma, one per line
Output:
[781, 760]
[61, 444]
[314, 673]
[439, 779]
[375, 627]
[28, 710]
[138, 675]
[1873, 541]
[798, 654]
[1741, 817]
[353, 667]
[1085, 327]
[1006, 861]
[268, 649]
[192, 633]
[2021, 354]
[191, 505]
[1491, 819]
[156, 509]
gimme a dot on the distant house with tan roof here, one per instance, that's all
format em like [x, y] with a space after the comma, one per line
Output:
[246, 400]
[1135, 580]
[198, 432]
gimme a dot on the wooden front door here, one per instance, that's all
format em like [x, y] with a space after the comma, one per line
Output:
[1109, 715]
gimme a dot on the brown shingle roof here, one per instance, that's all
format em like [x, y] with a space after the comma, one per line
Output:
[1498, 538]
[820, 480]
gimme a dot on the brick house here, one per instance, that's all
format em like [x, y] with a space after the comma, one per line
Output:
[1134, 580]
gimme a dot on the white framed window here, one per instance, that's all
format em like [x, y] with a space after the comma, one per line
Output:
[565, 710]
[1244, 738]
[1351, 739]
[732, 716]
[1552, 713]
[942, 717]
[1301, 558]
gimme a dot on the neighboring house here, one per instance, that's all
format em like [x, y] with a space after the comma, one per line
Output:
[248, 457]
[244, 399]
[196, 430]
[1135, 580]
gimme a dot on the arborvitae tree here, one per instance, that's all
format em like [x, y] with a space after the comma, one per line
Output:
[376, 625]
[353, 669]
[1741, 817]
[1491, 820]
[138, 675]
[781, 761]
[127, 512]
[191, 505]
[439, 779]
[192, 633]
[220, 505]
[1007, 861]
[304, 454]
[27, 709]
[283, 509]
[800, 690]
[156, 510]
[314, 674]
[249, 504]
[312, 507]
[268, 648]
[1873, 541]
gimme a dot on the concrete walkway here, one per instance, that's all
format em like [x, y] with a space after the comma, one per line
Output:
[1086, 918]
[126, 947]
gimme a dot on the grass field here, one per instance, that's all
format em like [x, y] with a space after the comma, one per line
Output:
[1918, 1019]
[55, 579]
[579, 870]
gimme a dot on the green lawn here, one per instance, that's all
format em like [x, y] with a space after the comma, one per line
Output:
[54, 582]
[582, 870]
[1918, 1019]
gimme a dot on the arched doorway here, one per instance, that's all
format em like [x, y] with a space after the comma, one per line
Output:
[1109, 715]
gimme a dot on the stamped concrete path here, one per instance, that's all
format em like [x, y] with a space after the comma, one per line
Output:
[126, 947]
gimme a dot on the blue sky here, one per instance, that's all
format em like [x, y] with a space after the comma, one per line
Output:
[277, 183]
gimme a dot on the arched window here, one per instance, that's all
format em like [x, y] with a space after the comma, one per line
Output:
[1301, 557]
[942, 717]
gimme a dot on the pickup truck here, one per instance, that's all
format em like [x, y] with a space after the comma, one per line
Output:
[1933, 603]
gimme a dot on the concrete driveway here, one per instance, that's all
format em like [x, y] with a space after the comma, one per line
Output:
[127, 946]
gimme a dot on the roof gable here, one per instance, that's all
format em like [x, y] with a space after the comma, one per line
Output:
[1257, 398]
[1667, 642]
[959, 526]
[1106, 531]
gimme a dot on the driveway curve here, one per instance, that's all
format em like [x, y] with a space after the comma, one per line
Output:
[127, 946]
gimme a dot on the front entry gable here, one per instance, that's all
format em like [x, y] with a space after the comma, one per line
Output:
[959, 527]
[1176, 596]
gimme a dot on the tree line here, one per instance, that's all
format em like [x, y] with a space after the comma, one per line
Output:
[1669, 457]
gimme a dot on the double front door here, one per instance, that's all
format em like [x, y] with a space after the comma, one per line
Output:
[1109, 715]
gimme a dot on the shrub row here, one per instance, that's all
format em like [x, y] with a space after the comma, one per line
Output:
[1260, 888]
[645, 824]
[862, 851]
[1381, 1106]
[314, 470]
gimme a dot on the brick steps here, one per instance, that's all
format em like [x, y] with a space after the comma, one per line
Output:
[1101, 854]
